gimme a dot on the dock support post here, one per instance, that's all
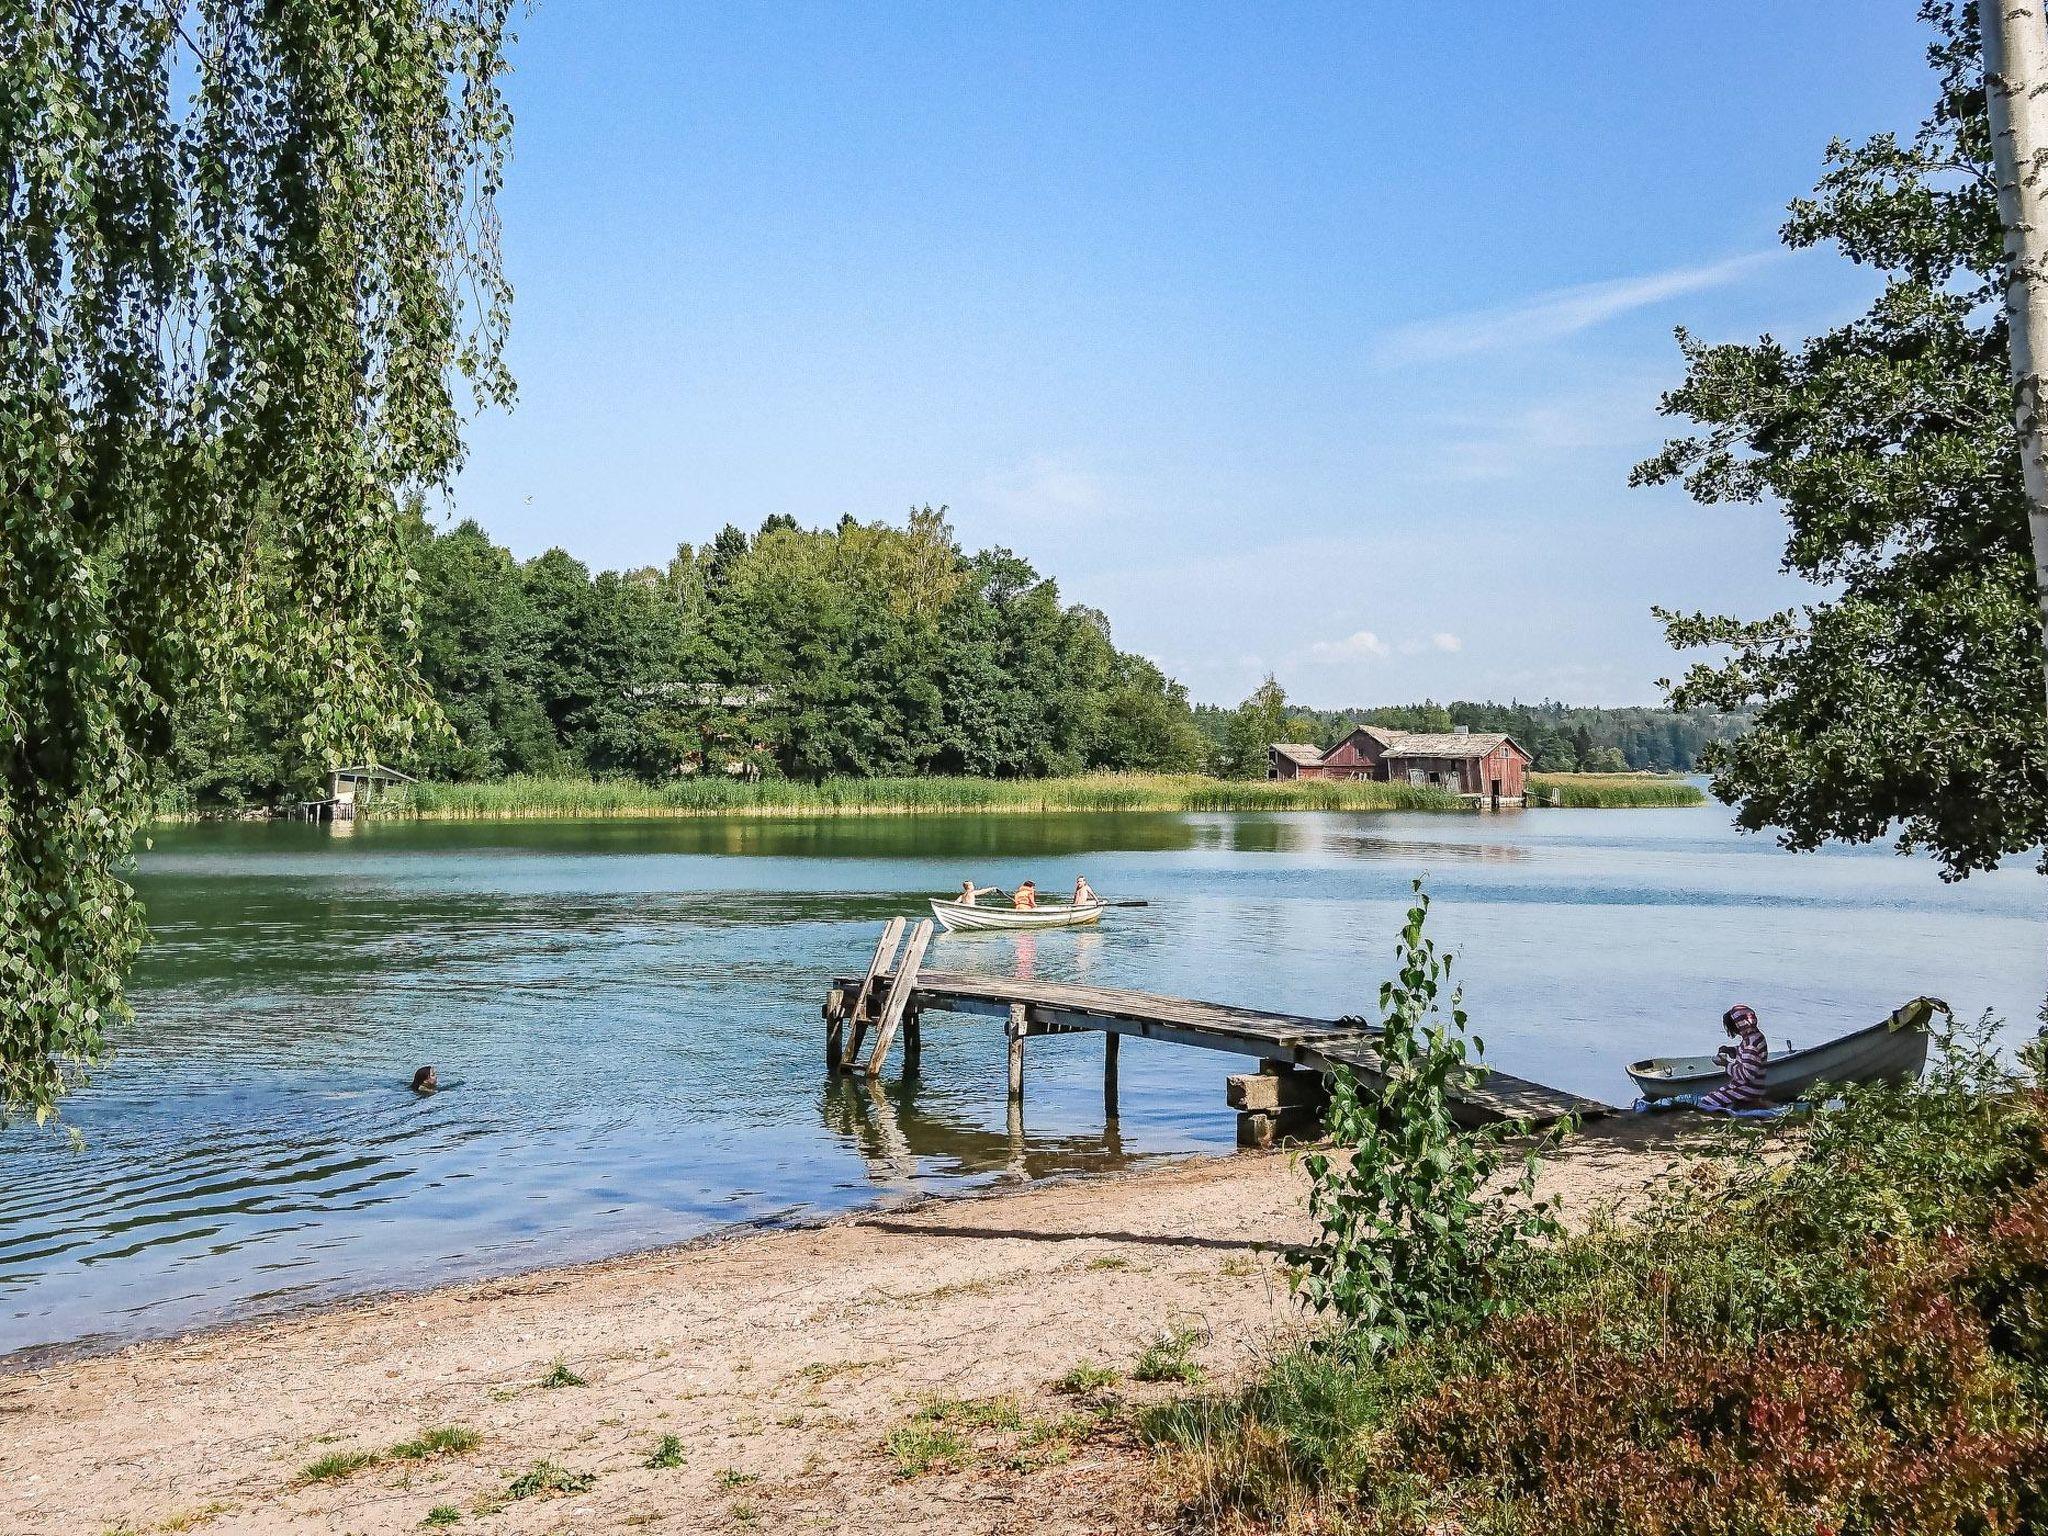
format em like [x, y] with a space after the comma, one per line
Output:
[835, 1028]
[1279, 1102]
[1015, 1031]
[913, 1043]
[1111, 1040]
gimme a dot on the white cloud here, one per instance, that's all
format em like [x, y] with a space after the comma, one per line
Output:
[1440, 641]
[1363, 643]
[1044, 487]
[1554, 315]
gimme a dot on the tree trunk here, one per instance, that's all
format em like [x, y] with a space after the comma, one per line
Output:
[2016, 91]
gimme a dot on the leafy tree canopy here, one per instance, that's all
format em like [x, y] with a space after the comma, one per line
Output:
[247, 257]
[866, 648]
[1909, 698]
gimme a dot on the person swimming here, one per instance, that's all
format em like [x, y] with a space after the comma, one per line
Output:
[426, 1081]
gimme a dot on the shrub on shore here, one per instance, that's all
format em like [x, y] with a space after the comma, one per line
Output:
[1852, 1340]
[721, 796]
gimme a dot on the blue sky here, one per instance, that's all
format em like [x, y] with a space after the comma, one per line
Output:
[1317, 339]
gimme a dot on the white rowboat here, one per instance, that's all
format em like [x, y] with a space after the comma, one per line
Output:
[958, 916]
[1893, 1051]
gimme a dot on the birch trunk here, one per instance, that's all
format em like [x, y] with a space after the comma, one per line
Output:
[2016, 91]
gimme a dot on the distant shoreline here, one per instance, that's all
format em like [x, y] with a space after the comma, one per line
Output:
[579, 799]
[537, 799]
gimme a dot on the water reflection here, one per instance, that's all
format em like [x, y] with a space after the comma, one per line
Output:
[904, 1134]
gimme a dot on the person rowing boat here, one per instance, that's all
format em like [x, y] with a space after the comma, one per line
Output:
[1084, 893]
[970, 892]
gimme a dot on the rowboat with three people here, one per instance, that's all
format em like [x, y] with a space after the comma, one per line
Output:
[1021, 911]
[955, 916]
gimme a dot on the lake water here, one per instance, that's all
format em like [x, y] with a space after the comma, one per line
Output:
[625, 1016]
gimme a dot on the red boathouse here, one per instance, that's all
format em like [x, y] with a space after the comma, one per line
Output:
[1492, 768]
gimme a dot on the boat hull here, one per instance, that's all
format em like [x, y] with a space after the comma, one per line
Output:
[958, 917]
[1891, 1052]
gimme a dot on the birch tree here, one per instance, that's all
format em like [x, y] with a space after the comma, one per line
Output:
[2015, 41]
[248, 286]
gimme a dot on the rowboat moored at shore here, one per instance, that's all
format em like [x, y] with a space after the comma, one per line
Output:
[959, 916]
[1892, 1051]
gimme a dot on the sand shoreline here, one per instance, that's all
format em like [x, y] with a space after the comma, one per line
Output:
[59, 1353]
[791, 1366]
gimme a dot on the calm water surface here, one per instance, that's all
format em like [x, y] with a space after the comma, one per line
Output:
[625, 1016]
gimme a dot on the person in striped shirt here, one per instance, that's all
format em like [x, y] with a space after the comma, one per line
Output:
[1745, 1061]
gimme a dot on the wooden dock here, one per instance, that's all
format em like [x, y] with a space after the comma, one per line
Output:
[1293, 1051]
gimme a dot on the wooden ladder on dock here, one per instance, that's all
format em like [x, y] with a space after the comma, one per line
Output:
[857, 1013]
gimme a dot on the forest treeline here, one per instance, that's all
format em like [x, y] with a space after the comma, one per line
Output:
[856, 651]
[1562, 738]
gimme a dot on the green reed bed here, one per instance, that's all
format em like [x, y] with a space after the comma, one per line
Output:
[1610, 791]
[569, 798]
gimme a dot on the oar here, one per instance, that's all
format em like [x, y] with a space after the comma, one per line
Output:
[1127, 903]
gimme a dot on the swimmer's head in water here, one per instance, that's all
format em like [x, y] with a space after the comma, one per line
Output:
[425, 1081]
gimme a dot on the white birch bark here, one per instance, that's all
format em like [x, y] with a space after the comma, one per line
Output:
[2016, 90]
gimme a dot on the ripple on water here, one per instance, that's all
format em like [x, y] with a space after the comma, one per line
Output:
[625, 1019]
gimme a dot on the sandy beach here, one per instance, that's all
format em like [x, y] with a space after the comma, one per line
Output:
[806, 1376]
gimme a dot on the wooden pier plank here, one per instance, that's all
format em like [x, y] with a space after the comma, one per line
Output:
[1318, 1044]
[902, 984]
[843, 1040]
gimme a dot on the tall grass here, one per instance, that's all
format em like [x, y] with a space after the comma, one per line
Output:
[575, 798]
[1610, 791]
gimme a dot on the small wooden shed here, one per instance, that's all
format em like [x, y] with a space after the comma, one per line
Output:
[353, 786]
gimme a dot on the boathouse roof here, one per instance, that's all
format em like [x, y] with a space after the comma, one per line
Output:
[1459, 744]
[1298, 752]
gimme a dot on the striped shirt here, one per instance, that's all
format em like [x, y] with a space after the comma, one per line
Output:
[1745, 1086]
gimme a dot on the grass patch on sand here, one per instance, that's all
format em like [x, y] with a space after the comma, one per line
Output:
[548, 1479]
[972, 1413]
[954, 1433]
[918, 1448]
[1087, 1379]
[1611, 791]
[444, 1440]
[1170, 1357]
[559, 1375]
[336, 1465]
[668, 1454]
[579, 798]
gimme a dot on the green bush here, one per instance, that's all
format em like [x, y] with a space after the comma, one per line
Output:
[1408, 1235]
[1843, 1334]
